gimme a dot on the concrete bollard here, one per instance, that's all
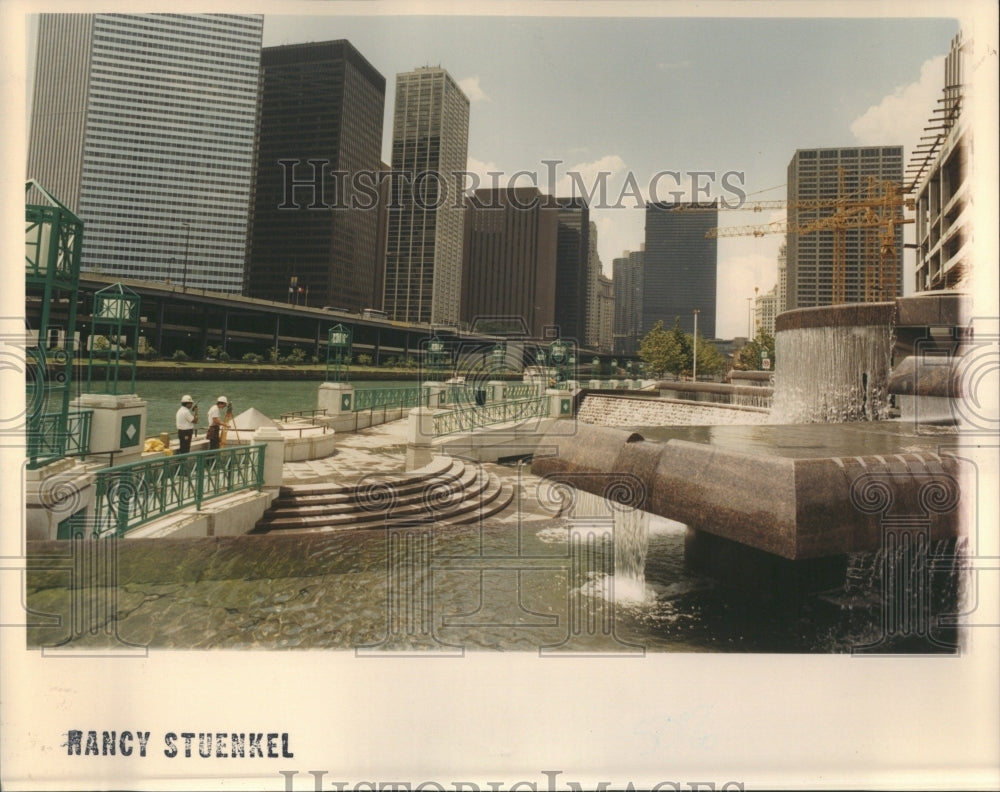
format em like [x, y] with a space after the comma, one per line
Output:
[337, 398]
[432, 394]
[420, 427]
[560, 403]
[274, 455]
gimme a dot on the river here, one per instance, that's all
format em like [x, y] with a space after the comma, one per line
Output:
[271, 397]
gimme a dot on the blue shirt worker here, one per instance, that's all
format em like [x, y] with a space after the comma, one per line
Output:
[186, 419]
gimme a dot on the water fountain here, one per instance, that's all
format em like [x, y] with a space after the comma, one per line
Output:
[853, 457]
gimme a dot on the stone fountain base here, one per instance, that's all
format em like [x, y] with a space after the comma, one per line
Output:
[794, 491]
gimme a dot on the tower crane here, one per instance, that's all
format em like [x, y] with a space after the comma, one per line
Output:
[880, 208]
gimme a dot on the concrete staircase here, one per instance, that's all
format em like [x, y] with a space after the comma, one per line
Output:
[448, 490]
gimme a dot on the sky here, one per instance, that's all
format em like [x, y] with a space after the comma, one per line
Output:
[717, 103]
[645, 95]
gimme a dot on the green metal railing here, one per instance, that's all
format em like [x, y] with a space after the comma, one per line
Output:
[49, 439]
[390, 397]
[522, 390]
[467, 419]
[78, 432]
[129, 496]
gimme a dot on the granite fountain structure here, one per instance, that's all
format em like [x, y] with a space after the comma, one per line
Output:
[854, 455]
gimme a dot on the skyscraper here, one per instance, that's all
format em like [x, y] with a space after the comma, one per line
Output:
[594, 273]
[680, 267]
[820, 175]
[430, 134]
[572, 257]
[510, 259]
[315, 221]
[627, 283]
[143, 124]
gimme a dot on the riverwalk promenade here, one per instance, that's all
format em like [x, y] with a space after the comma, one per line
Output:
[289, 588]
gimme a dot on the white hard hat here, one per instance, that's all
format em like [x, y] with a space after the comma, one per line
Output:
[185, 399]
[221, 399]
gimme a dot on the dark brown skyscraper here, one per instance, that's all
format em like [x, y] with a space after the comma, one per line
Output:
[572, 256]
[509, 268]
[315, 222]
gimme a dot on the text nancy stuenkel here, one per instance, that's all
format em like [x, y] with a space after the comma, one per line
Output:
[183, 744]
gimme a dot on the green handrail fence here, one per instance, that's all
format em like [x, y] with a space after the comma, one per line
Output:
[131, 495]
[467, 419]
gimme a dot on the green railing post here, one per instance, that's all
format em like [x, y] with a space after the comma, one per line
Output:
[199, 481]
[124, 488]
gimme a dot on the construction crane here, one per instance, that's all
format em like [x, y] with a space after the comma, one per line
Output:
[881, 207]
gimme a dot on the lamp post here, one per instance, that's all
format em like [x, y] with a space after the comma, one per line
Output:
[694, 363]
[756, 322]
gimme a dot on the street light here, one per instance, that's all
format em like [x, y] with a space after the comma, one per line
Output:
[694, 364]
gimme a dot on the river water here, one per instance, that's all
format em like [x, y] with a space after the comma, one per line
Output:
[271, 397]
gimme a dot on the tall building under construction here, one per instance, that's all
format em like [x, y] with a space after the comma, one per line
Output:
[846, 264]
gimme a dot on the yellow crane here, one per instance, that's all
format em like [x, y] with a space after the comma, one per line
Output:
[880, 210]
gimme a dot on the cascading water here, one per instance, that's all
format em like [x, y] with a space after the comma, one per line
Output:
[913, 588]
[832, 374]
[630, 529]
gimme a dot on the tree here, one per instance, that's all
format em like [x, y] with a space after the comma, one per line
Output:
[710, 359]
[749, 357]
[664, 351]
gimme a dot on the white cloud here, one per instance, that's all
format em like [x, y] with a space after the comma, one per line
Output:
[481, 168]
[586, 178]
[744, 264]
[901, 116]
[471, 88]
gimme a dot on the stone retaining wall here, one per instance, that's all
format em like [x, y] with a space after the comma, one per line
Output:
[617, 411]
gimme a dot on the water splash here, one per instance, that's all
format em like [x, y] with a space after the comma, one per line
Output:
[832, 374]
[630, 528]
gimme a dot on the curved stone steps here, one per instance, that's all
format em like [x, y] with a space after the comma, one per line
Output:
[372, 490]
[439, 466]
[488, 508]
[461, 494]
[398, 502]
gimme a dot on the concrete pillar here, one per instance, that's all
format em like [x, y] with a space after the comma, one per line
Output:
[496, 390]
[53, 494]
[117, 426]
[420, 427]
[336, 398]
[274, 455]
[433, 391]
[594, 384]
[560, 403]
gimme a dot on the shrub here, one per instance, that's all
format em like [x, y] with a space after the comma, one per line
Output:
[295, 357]
[180, 355]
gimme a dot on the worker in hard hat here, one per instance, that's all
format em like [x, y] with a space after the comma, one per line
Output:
[186, 420]
[216, 422]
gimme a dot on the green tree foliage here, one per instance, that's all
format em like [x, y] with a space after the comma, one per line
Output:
[749, 357]
[673, 351]
[710, 359]
[663, 351]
